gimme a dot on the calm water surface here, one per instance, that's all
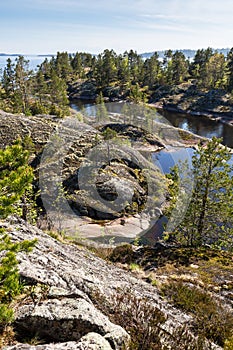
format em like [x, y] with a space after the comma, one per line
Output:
[200, 125]
[34, 61]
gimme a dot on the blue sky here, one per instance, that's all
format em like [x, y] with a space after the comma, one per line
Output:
[48, 26]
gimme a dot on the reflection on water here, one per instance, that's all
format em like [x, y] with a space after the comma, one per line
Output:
[169, 158]
[199, 125]
[166, 159]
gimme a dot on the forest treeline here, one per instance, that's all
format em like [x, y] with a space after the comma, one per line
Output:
[132, 77]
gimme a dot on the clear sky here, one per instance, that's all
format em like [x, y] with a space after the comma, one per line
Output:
[48, 26]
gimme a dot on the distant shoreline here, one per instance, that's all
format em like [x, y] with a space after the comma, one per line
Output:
[21, 54]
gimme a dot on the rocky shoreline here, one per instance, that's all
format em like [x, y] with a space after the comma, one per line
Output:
[185, 98]
[216, 116]
[68, 287]
[90, 222]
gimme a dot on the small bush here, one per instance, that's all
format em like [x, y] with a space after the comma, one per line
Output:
[144, 322]
[123, 253]
[229, 344]
[211, 319]
[136, 315]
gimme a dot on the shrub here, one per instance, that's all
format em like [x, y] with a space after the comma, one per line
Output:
[136, 315]
[123, 253]
[211, 319]
[9, 277]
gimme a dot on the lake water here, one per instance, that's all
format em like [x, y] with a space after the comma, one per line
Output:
[200, 125]
[166, 159]
[34, 61]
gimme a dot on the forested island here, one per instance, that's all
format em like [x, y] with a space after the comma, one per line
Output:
[62, 290]
[200, 86]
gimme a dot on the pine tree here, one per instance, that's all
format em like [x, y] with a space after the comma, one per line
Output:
[101, 110]
[216, 72]
[15, 179]
[8, 80]
[179, 66]
[77, 65]
[58, 96]
[152, 70]
[209, 217]
[198, 68]
[230, 70]
[123, 71]
[22, 85]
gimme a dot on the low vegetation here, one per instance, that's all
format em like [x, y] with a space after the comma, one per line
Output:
[212, 319]
[15, 179]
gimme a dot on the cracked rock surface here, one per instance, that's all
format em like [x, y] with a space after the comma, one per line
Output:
[71, 276]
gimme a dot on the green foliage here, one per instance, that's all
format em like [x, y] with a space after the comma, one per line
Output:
[109, 134]
[198, 67]
[15, 180]
[58, 96]
[10, 285]
[216, 71]
[173, 188]
[209, 216]
[15, 177]
[179, 67]
[40, 93]
[45, 91]
[212, 320]
[17, 84]
[6, 315]
[230, 70]
[101, 110]
[137, 94]
[152, 71]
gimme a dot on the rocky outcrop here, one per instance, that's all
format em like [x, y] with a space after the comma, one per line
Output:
[66, 280]
[67, 318]
[68, 287]
[14, 126]
[187, 98]
[82, 89]
[61, 146]
[91, 341]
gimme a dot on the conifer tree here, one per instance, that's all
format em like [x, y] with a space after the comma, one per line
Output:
[8, 80]
[230, 70]
[58, 96]
[15, 179]
[209, 217]
[22, 85]
[101, 110]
